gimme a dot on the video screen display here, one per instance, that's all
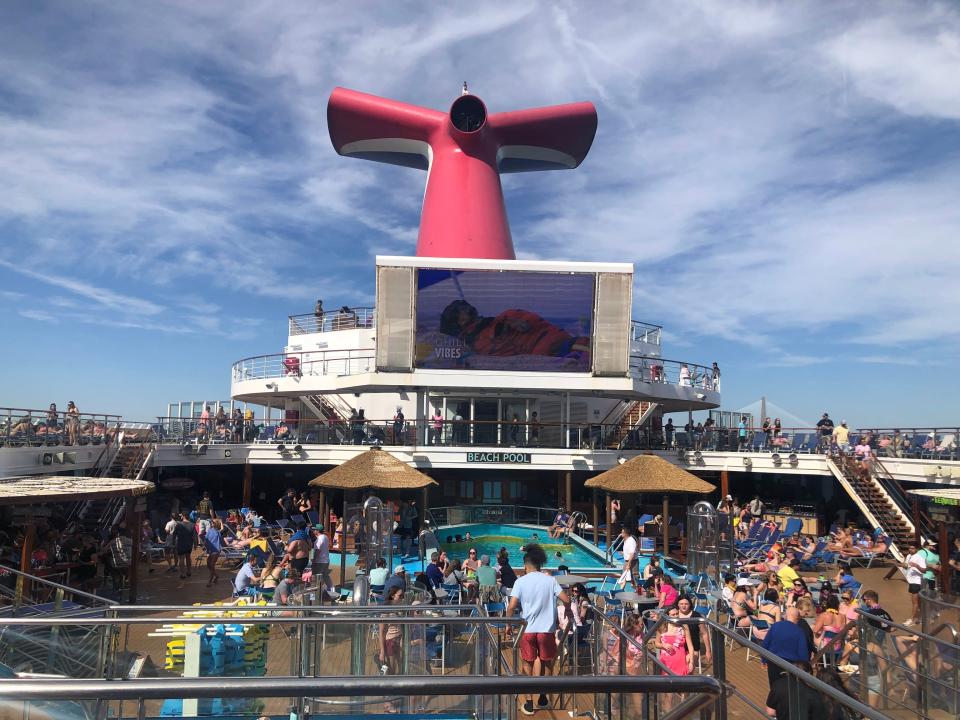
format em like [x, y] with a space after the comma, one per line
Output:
[504, 320]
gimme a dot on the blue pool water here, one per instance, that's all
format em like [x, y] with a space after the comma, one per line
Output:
[488, 538]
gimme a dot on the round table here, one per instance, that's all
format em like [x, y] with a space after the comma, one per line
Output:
[566, 580]
[631, 597]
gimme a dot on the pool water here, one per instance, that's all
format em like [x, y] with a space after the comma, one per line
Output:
[487, 539]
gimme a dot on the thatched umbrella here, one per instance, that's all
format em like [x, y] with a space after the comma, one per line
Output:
[647, 474]
[375, 469]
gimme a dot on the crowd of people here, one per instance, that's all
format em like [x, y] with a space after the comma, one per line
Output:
[55, 427]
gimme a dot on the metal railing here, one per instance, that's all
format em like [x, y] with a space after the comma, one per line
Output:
[642, 332]
[304, 364]
[332, 320]
[937, 443]
[446, 516]
[673, 372]
[28, 426]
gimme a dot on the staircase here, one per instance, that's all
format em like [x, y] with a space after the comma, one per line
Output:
[129, 462]
[634, 415]
[881, 500]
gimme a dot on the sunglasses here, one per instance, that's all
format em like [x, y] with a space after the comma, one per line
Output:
[473, 552]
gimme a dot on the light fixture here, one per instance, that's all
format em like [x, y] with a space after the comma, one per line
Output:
[271, 386]
[46, 458]
[227, 452]
[621, 459]
[298, 448]
[776, 459]
[187, 449]
[201, 450]
[747, 462]
[700, 396]
[281, 448]
[792, 457]
[698, 455]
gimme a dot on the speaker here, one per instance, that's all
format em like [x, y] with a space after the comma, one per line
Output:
[395, 319]
[611, 331]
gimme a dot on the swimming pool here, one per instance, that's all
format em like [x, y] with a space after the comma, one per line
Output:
[488, 538]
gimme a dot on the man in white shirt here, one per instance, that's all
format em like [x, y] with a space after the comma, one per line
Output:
[169, 543]
[630, 559]
[321, 558]
[535, 595]
[915, 564]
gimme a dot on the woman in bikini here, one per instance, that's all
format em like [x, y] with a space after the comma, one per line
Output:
[769, 610]
[744, 605]
[830, 620]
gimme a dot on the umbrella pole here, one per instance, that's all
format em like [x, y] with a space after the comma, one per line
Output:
[343, 544]
[666, 526]
[596, 520]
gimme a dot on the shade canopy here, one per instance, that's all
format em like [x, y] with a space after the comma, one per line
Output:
[61, 488]
[649, 474]
[373, 469]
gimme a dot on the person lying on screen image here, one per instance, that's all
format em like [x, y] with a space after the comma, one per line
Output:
[512, 332]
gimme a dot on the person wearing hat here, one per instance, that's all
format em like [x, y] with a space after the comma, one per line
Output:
[398, 579]
[932, 557]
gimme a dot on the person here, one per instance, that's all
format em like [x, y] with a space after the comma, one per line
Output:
[699, 635]
[318, 313]
[72, 423]
[675, 645]
[875, 634]
[184, 536]
[650, 571]
[777, 428]
[513, 332]
[358, 426]
[684, 375]
[729, 588]
[535, 595]
[487, 580]
[283, 431]
[698, 436]
[932, 559]
[825, 428]
[118, 550]
[954, 562]
[147, 538]
[379, 574]
[797, 591]
[433, 571]
[286, 504]
[303, 503]
[213, 542]
[390, 642]
[397, 580]
[768, 610]
[841, 436]
[916, 565]
[767, 429]
[756, 508]
[667, 593]
[742, 434]
[630, 558]
[297, 553]
[408, 518]
[436, 427]
[204, 514]
[779, 698]
[320, 567]
[53, 422]
[668, 431]
[534, 429]
[398, 424]
[170, 542]
[286, 587]
[560, 524]
[787, 641]
[829, 620]
[508, 577]
[247, 576]
[715, 376]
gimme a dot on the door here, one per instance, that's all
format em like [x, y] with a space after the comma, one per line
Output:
[492, 492]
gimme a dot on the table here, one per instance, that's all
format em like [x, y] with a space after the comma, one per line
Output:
[440, 593]
[566, 580]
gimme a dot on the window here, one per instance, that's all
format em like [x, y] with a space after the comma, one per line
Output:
[449, 488]
[516, 489]
[492, 491]
[466, 489]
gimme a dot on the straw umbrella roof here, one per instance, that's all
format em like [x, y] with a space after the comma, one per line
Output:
[60, 488]
[649, 474]
[373, 469]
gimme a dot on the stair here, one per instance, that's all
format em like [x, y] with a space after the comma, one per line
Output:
[636, 413]
[130, 462]
[878, 505]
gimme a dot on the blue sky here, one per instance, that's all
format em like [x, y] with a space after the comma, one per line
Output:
[784, 176]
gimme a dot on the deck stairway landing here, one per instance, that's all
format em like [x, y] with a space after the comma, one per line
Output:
[634, 415]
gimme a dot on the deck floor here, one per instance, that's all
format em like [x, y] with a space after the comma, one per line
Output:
[160, 588]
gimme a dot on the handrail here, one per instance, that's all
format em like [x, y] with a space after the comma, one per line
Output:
[289, 686]
[57, 586]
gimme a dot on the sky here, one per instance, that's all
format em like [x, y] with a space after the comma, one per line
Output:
[784, 176]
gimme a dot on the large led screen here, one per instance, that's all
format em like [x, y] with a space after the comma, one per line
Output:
[504, 320]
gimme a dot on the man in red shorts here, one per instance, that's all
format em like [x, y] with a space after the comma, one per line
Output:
[535, 594]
